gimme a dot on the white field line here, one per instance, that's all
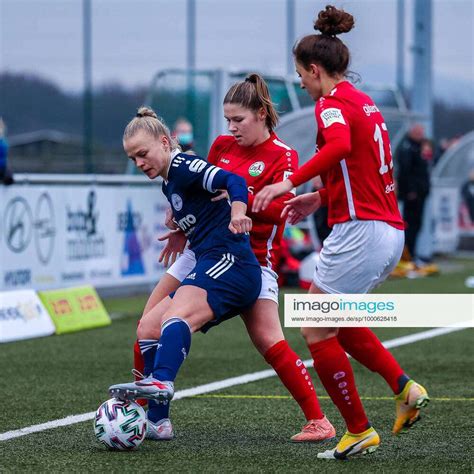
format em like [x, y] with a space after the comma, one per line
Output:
[219, 385]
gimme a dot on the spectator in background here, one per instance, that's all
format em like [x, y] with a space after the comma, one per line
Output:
[413, 157]
[6, 176]
[183, 132]
[427, 152]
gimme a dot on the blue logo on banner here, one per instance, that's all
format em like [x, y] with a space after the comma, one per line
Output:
[129, 222]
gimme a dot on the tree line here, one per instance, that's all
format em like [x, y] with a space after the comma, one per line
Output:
[29, 103]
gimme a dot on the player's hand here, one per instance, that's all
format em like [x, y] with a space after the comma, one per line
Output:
[169, 221]
[299, 207]
[223, 194]
[175, 245]
[240, 224]
[268, 193]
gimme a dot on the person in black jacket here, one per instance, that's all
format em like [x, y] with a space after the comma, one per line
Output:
[413, 183]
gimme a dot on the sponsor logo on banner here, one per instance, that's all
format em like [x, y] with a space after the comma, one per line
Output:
[14, 278]
[18, 224]
[129, 223]
[331, 116]
[72, 276]
[45, 229]
[86, 242]
[21, 226]
[22, 316]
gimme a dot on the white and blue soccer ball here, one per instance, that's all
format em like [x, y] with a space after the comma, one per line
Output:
[120, 425]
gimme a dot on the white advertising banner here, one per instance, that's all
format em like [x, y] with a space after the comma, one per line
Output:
[23, 316]
[66, 235]
[445, 209]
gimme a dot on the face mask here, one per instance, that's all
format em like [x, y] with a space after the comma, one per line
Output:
[185, 138]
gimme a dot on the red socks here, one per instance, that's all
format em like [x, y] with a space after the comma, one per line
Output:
[295, 378]
[365, 347]
[139, 364]
[335, 371]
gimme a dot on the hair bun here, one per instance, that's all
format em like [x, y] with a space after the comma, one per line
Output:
[332, 21]
[252, 78]
[146, 112]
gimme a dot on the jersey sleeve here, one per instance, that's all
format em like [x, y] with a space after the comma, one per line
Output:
[287, 165]
[333, 125]
[197, 173]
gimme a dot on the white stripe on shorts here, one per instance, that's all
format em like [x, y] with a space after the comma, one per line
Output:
[347, 184]
[221, 262]
[222, 266]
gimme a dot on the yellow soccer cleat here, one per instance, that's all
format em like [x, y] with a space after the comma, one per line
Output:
[352, 445]
[408, 404]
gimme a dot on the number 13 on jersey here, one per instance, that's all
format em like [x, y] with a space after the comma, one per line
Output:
[379, 139]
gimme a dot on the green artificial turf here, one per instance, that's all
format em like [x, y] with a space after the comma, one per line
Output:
[244, 428]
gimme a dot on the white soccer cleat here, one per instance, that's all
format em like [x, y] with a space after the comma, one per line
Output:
[149, 388]
[160, 431]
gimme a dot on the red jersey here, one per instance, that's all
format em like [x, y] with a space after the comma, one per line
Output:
[354, 159]
[270, 162]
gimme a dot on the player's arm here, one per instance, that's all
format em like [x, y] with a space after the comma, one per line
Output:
[199, 173]
[272, 214]
[336, 133]
[334, 127]
[216, 178]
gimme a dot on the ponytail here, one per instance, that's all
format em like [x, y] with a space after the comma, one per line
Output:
[253, 94]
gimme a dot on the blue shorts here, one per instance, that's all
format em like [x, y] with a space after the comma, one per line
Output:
[232, 284]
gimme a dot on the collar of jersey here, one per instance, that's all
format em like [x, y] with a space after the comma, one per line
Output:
[337, 86]
[174, 154]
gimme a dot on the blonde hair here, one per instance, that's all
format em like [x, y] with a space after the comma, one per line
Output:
[147, 120]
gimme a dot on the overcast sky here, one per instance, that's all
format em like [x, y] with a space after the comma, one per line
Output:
[133, 39]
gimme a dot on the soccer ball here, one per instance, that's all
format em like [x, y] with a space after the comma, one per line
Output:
[120, 425]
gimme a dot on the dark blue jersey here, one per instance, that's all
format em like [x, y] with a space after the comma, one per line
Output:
[192, 183]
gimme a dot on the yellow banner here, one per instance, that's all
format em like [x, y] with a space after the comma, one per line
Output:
[75, 309]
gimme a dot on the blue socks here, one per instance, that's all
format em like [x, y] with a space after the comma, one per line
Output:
[163, 359]
[402, 381]
[173, 348]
